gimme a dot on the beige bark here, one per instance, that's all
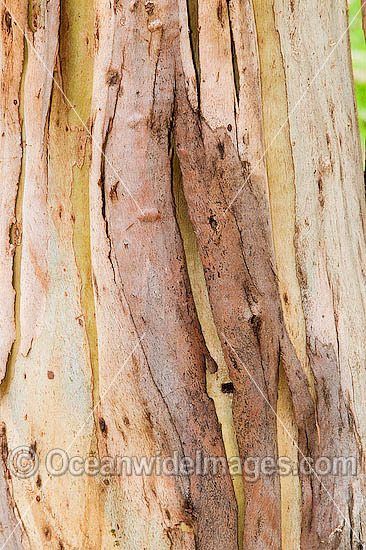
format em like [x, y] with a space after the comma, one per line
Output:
[182, 207]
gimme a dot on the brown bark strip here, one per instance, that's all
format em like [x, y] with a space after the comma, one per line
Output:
[148, 272]
[210, 164]
[236, 252]
[239, 272]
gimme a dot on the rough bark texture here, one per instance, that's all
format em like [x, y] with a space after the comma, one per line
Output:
[211, 231]
[11, 159]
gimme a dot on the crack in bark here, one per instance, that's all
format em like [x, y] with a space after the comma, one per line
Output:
[234, 57]
[193, 32]
[8, 373]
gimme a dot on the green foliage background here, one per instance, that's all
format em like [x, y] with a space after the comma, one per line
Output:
[359, 64]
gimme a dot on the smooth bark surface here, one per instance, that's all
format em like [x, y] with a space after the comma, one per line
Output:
[183, 207]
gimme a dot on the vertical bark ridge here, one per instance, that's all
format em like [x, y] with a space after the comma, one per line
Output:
[36, 231]
[55, 379]
[169, 374]
[12, 57]
[192, 11]
[208, 148]
[75, 77]
[316, 160]
[76, 53]
[17, 238]
[216, 368]
[280, 172]
[212, 240]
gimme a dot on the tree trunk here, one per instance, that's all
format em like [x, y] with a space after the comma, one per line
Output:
[182, 267]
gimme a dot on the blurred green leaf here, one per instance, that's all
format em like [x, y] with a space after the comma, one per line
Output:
[359, 63]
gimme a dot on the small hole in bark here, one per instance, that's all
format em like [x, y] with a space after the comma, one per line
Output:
[255, 321]
[219, 13]
[50, 375]
[106, 482]
[39, 482]
[47, 533]
[285, 298]
[15, 102]
[213, 223]
[112, 77]
[321, 195]
[229, 127]
[7, 19]
[126, 421]
[221, 148]
[228, 387]
[38, 498]
[113, 192]
[211, 365]
[148, 418]
[149, 7]
[103, 426]
[168, 514]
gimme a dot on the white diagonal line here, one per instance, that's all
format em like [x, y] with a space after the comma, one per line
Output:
[100, 149]
[294, 109]
[291, 438]
[20, 521]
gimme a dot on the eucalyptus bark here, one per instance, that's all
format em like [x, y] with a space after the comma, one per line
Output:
[183, 213]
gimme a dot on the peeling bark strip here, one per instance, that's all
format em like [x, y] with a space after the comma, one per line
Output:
[239, 271]
[169, 370]
[206, 85]
[11, 64]
[326, 259]
[216, 151]
[36, 231]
